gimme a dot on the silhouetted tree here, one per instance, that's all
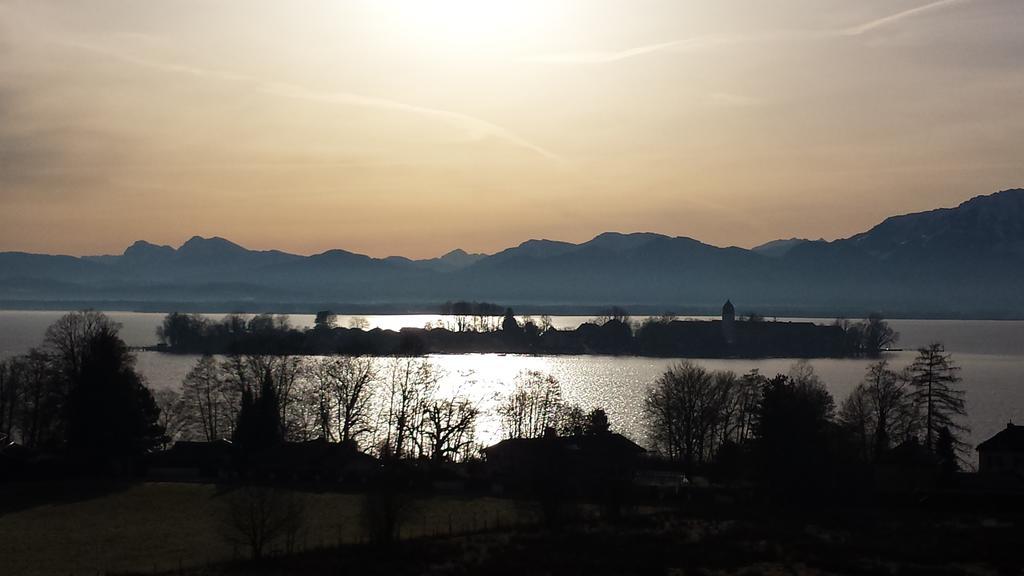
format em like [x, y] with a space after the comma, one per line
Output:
[792, 434]
[509, 325]
[11, 391]
[946, 448]
[688, 412]
[259, 516]
[597, 422]
[934, 378]
[183, 331]
[339, 392]
[283, 374]
[409, 385]
[112, 418]
[259, 419]
[449, 426]
[534, 406]
[39, 415]
[617, 313]
[877, 335]
[68, 340]
[868, 337]
[325, 319]
[174, 418]
[210, 402]
[571, 420]
[879, 412]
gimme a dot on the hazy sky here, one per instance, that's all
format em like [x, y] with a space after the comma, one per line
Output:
[414, 126]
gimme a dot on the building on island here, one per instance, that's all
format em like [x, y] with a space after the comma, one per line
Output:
[729, 323]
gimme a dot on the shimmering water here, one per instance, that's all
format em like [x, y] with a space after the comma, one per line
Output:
[990, 353]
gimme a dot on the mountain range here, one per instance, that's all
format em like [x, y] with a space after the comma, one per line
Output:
[966, 261]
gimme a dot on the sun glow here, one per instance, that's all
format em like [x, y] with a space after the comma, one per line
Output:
[473, 25]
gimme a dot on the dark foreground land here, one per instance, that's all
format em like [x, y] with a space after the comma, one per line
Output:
[675, 544]
[177, 529]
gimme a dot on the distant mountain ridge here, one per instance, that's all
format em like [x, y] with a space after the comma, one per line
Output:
[966, 261]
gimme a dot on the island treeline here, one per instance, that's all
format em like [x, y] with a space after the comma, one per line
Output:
[477, 328]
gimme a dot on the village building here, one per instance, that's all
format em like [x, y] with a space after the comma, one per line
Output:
[583, 462]
[1003, 454]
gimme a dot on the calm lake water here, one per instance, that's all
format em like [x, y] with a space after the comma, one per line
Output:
[991, 354]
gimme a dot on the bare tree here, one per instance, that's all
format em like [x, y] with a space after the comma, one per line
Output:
[11, 391]
[533, 406]
[616, 313]
[409, 385]
[880, 411]
[545, 323]
[210, 401]
[173, 415]
[341, 391]
[282, 373]
[449, 427]
[571, 420]
[325, 319]
[259, 516]
[690, 412]
[68, 338]
[39, 420]
[359, 323]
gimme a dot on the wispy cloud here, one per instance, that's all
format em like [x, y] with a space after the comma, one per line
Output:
[893, 18]
[473, 127]
[713, 41]
[603, 57]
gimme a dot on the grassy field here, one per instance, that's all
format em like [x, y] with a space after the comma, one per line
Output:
[159, 526]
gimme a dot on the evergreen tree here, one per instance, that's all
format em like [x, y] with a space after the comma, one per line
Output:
[934, 378]
[112, 418]
[597, 422]
[946, 452]
[259, 419]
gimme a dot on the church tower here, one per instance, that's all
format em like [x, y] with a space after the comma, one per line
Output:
[729, 323]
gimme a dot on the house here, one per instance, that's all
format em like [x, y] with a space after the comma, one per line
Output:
[1003, 454]
[314, 460]
[192, 461]
[581, 463]
[317, 460]
[907, 468]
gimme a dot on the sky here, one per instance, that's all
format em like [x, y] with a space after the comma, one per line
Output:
[413, 127]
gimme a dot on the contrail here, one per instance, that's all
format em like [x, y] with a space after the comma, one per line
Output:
[476, 128]
[702, 42]
[603, 57]
[885, 21]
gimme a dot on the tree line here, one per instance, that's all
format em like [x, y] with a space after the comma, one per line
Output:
[385, 406]
[79, 394]
[481, 327]
[787, 430]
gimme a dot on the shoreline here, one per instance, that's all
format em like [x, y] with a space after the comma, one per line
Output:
[555, 310]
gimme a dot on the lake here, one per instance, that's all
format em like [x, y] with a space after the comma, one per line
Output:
[990, 353]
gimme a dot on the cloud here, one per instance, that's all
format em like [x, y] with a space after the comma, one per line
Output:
[892, 18]
[604, 57]
[475, 128]
[713, 41]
